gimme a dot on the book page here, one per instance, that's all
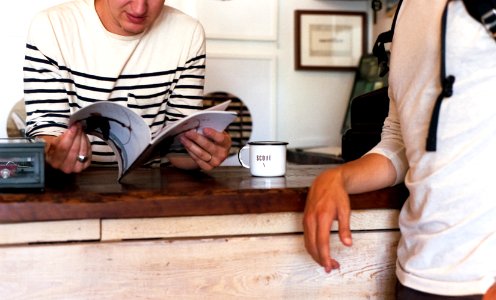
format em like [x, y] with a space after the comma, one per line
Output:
[122, 129]
[129, 136]
[208, 119]
[198, 121]
[221, 106]
[217, 120]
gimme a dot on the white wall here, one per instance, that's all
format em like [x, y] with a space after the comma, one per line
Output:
[307, 107]
[13, 28]
[311, 104]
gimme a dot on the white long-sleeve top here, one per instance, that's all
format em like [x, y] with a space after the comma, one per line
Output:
[448, 223]
[72, 61]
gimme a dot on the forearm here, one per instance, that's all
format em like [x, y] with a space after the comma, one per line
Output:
[45, 95]
[368, 173]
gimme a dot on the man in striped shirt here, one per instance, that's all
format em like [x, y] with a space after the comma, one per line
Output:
[138, 53]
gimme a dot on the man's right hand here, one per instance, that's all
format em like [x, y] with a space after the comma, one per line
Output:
[62, 152]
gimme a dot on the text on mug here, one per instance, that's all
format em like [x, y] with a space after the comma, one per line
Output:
[263, 157]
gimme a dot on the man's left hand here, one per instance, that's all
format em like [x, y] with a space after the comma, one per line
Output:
[208, 150]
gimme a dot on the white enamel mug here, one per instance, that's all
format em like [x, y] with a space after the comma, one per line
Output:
[266, 158]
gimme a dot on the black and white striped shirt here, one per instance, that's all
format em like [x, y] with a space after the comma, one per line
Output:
[72, 60]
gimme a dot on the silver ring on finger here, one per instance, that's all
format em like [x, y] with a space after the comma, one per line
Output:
[82, 158]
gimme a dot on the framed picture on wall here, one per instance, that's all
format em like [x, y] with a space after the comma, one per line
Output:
[329, 40]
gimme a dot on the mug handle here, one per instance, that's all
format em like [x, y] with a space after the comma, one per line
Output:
[246, 147]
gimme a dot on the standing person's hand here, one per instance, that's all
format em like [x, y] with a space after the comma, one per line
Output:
[327, 201]
[491, 293]
[69, 152]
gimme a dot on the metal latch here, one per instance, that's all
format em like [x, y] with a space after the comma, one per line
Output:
[489, 21]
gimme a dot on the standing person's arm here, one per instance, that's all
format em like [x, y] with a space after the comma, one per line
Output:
[491, 293]
[328, 199]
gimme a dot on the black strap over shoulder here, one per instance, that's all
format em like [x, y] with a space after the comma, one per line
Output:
[379, 49]
[446, 82]
[483, 11]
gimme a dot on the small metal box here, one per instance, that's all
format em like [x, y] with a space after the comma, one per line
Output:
[22, 164]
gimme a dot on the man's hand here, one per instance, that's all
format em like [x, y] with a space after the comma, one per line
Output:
[62, 152]
[207, 150]
[327, 201]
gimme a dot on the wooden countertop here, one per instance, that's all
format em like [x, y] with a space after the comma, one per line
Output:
[165, 192]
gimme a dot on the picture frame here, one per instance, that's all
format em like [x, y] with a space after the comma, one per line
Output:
[329, 40]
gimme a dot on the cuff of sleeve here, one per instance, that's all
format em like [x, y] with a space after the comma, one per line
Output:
[397, 158]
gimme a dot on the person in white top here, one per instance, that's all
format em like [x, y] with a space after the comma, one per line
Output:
[139, 53]
[448, 223]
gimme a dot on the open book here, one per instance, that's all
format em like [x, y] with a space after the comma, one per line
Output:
[130, 138]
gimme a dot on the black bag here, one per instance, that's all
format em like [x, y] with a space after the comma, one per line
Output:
[483, 11]
[367, 114]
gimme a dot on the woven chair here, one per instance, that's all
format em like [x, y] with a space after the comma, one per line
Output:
[16, 120]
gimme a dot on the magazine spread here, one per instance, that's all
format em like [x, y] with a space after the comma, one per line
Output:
[129, 136]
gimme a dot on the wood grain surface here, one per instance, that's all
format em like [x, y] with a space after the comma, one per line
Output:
[167, 192]
[257, 267]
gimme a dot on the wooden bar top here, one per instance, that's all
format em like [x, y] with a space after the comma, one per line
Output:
[165, 192]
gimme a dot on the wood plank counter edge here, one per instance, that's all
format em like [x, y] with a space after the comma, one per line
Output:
[181, 227]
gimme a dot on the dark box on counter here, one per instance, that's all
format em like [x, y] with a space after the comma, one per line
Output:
[22, 164]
